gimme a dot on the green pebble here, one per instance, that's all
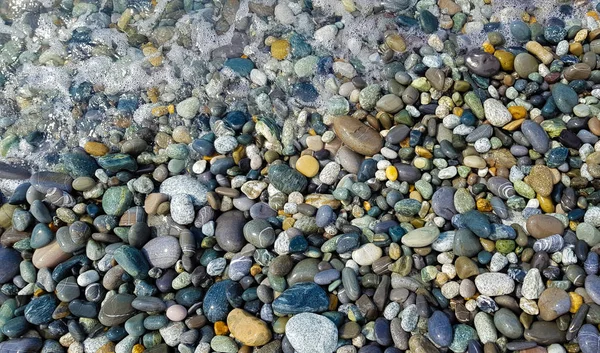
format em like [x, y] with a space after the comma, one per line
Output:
[553, 127]
[424, 188]
[524, 189]
[475, 104]
[505, 246]
[464, 171]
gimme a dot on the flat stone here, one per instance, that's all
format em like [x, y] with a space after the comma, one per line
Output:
[421, 237]
[286, 179]
[494, 284]
[358, 136]
[248, 329]
[162, 251]
[482, 63]
[553, 303]
[542, 226]
[302, 297]
[545, 333]
[311, 333]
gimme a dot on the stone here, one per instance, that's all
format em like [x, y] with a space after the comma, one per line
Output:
[308, 166]
[466, 243]
[421, 237]
[533, 285]
[508, 323]
[525, 64]
[162, 251]
[482, 63]
[183, 184]
[248, 329]
[565, 97]
[300, 298]
[182, 209]
[537, 137]
[229, 232]
[44, 181]
[116, 200]
[357, 136]
[286, 179]
[440, 330]
[10, 259]
[592, 287]
[553, 302]
[545, 333]
[496, 113]
[39, 310]
[588, 233]
[215, 305]
[588, 339]
[259, 233]
[311, 333]
[442, 201]
[367, 254]
[132, 261]
[494, 284]
[49, 256]
[540, 178]
[542, 226]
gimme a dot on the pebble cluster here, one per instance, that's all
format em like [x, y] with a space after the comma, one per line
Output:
[225, 182]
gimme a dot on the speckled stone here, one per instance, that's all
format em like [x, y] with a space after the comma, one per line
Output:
[311, 333]
[494, 284]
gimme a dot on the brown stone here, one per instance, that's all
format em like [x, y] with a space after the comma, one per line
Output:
[579, 71]
[553, 303]
[96, 149]
[11, 236]
[540, 179]
[501, 158]
[594, 126]
[153, 200]
[541, 226]
[247, 328]
[465, 267]
[449, 7]
[358, 136]
[49, 256]
[545, 333]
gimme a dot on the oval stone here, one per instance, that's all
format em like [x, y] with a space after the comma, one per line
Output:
[229, 232]
[162, 251]
[358, 136]
[116, 309]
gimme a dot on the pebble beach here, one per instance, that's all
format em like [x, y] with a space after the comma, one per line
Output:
[299, 176]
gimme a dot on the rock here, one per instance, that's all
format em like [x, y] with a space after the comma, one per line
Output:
[44, 181]
[116, 200]
[542, 226]
[259, 233]
[553, 302]
[286, 179]
[10, 259]
[565, 97]
[592, 287]
[525, 64]
[478, 223]
[589, 339]
[162, 251]
[588, 233]
[508, 323]
[132, 261]
[533, 286]
[496, 113]
[229, 232]
[442, 202]
[421, 237]
[188, 108]
[39, 310]
[537, 137]
[358, 136]
[482, 63]
[49, 256]
[183, 184]
[494, 284]
[308, 166]
[541, 180]
[466, 243]
[115, 162]
[216, 305]
[440, 330]
[545, 333]
[367, 254]
[182, 209]
[301, 297]
[311, 333]
[248, 329]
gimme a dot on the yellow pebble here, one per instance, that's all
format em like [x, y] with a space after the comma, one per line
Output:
[576, 301]
[423, 152]
[312, 132]
[506, 59]
[391, 173]
[415, 195]
[153, 94]
[513, 125]
[417, 223]
[573, 225]
[288, 223]
[160, 111]
[483, 205]
[576, 48]
[95, 149]
[255, 269]
[488, 245]
[153, 55]
[366, 205]
[221, 328]
[138, 348]
[488, 47]
[333, 302]
[458, 111]
[593, 14]
[171, 108]
[395, 42]
[517, 112]
[546, 204]
[308, 166]
[581, 35]
[280, 49]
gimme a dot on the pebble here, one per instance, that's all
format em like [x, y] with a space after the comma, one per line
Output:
[311, 333]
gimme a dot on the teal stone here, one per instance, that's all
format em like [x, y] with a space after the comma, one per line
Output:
[475, 104]
[425, 189]
[135, 325]
[39, 310]
[21, 219]
[565, 97]
[554, 34]
[133, 261]
[407, 207]
[459, 20]
[286, 179]
[520, 31]
[300, 48]
[556, 157]
[115, 162]
[462, 335]
[79, 164]
[478, 223]
[188, 296]
[341, 194]
[153, 339]
[240, 66]
[177, 151]
[306, 297]
[428, 21]
[116, 200]
[465, 243]
[155, 322]
[216, 306]
[15, 327]
[278, 283]
[41, 236]
[27, 271]
[116, 310]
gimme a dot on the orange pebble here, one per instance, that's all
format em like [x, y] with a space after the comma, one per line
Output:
[138, 348]
[221, 328]
[96, 149]
[488, 47]
[517, 112]
[484, 205]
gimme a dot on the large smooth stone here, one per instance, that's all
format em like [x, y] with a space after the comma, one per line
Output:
[116, 309]
[302, 297]
[465, 243]
[248, 329]
[303, 271]
[21, 345]
[494, 284]
[162, 251]
[478, 223]
[589, 339]
[230, 231]
[286, 179]
[216, 305]
[39, 310]
[536, 135]
[442, 202]
[553, 303]
[545, 333]
[358, 136]
[44, 181]
[132, 261]
[542, 226]
[440, 330]
[508, 323]
[565, 97]
[592, 287]
[311, 333]
[501, 187]
[10, 259]
[421, 237]
[49, 256]
[482, 63]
